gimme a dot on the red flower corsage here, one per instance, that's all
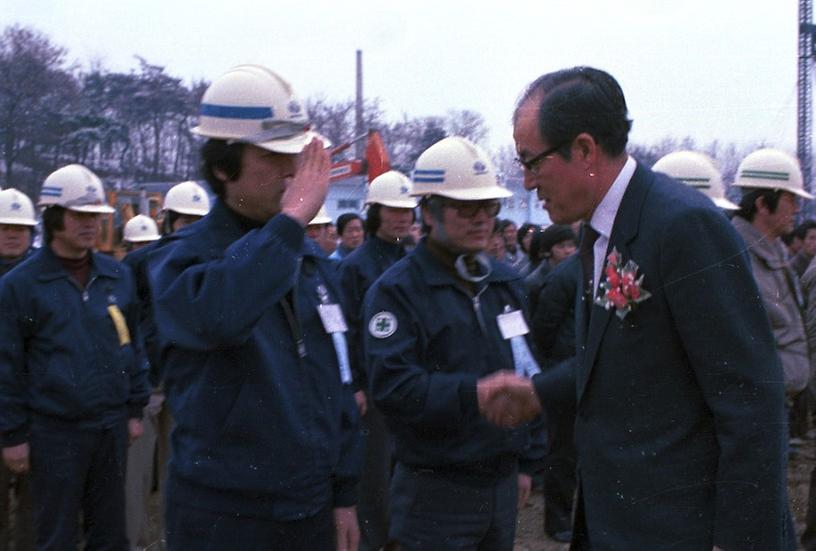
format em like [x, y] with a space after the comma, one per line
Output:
[622, 289]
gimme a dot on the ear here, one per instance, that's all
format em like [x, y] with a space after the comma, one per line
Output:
[427, 217]
[759, 204]
[221, 175]
[585, 149]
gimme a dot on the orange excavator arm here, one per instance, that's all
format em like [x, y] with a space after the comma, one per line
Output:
[376, 155]
[376, 160]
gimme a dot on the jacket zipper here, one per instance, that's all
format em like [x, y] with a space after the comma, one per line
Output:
[85, 292]
[290, 310]
[477, 308]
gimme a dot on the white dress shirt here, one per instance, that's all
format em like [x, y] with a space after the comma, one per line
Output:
[604, 217]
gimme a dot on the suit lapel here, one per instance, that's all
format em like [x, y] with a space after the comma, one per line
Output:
[624, 231]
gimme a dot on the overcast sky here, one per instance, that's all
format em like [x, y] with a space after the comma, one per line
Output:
[715, 69]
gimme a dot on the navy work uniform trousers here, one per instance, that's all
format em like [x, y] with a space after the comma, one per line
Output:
[75, 471]
[431, 510]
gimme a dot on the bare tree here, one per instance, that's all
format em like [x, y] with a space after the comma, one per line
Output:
[504, 159]
[32, 75]
[466, 123]
[336, 120]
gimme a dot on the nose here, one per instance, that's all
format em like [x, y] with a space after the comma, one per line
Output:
[482, 216]
[529, 180]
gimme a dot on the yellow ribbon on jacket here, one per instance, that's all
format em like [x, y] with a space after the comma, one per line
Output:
[120, 323]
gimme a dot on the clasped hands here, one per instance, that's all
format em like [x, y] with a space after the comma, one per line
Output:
[507, 400]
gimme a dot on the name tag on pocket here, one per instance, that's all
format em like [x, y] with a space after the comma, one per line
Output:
[512, 324]
[332, 317]
[120, 324]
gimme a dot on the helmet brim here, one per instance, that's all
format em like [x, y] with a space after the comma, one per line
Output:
[295, 144]
[95, 209]
[319, 221]
[800, 193]
[17, 222]
[761, 185]
[142, 239]
[471, 194]
[405, 204]
[190, 212]
[724, 203]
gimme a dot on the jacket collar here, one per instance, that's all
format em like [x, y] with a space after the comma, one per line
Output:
[435, 273]
[224, 226]
[385, 247]
[51, 268]
[770, 251]
[8, 265]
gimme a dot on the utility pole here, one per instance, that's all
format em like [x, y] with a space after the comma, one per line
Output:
[804, 144]
[359, 147]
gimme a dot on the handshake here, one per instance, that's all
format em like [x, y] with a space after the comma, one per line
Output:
[506, 399]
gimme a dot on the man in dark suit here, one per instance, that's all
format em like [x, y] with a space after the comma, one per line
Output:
[680, 418]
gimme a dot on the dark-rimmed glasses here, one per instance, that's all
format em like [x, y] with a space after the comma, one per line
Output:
[533, 164]
[469, 209]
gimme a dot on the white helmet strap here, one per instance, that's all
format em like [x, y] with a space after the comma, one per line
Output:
[480, 264]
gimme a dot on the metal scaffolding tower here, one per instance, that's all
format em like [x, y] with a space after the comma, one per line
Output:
[804, 145]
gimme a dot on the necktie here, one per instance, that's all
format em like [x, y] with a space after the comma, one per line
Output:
[586, 252]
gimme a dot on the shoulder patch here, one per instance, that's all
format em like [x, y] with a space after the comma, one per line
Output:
[382, 325]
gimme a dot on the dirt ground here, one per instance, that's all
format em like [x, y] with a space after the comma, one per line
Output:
[530, 534]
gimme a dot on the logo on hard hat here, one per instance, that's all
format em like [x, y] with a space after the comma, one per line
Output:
[294, 107]
[144, 227]
[91, 189]
[403, 190]
[196, 198]
[16, 206]
[479, 168]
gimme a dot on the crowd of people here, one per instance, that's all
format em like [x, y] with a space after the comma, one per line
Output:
[400, 377]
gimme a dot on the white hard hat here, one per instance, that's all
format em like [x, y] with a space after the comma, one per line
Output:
[187, 198]
[456, 168]
[698, 171]
[16, 208]
[141, 228]
[391, 189]
[255, 105]
[771, 169]
[322, 217]
[75, 188]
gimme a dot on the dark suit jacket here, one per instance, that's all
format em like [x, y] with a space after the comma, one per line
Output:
[681, 428]
[553, 323]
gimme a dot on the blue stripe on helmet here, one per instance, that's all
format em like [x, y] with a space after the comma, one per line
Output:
[428, 180]
[426, 172]
[235, 112]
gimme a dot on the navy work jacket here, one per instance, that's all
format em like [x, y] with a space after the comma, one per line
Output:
[427, 342]
[358, 271]
[64, 356]
[264, 425]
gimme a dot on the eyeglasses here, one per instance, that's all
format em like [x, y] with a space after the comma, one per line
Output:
[469, 209]
[533, 164]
